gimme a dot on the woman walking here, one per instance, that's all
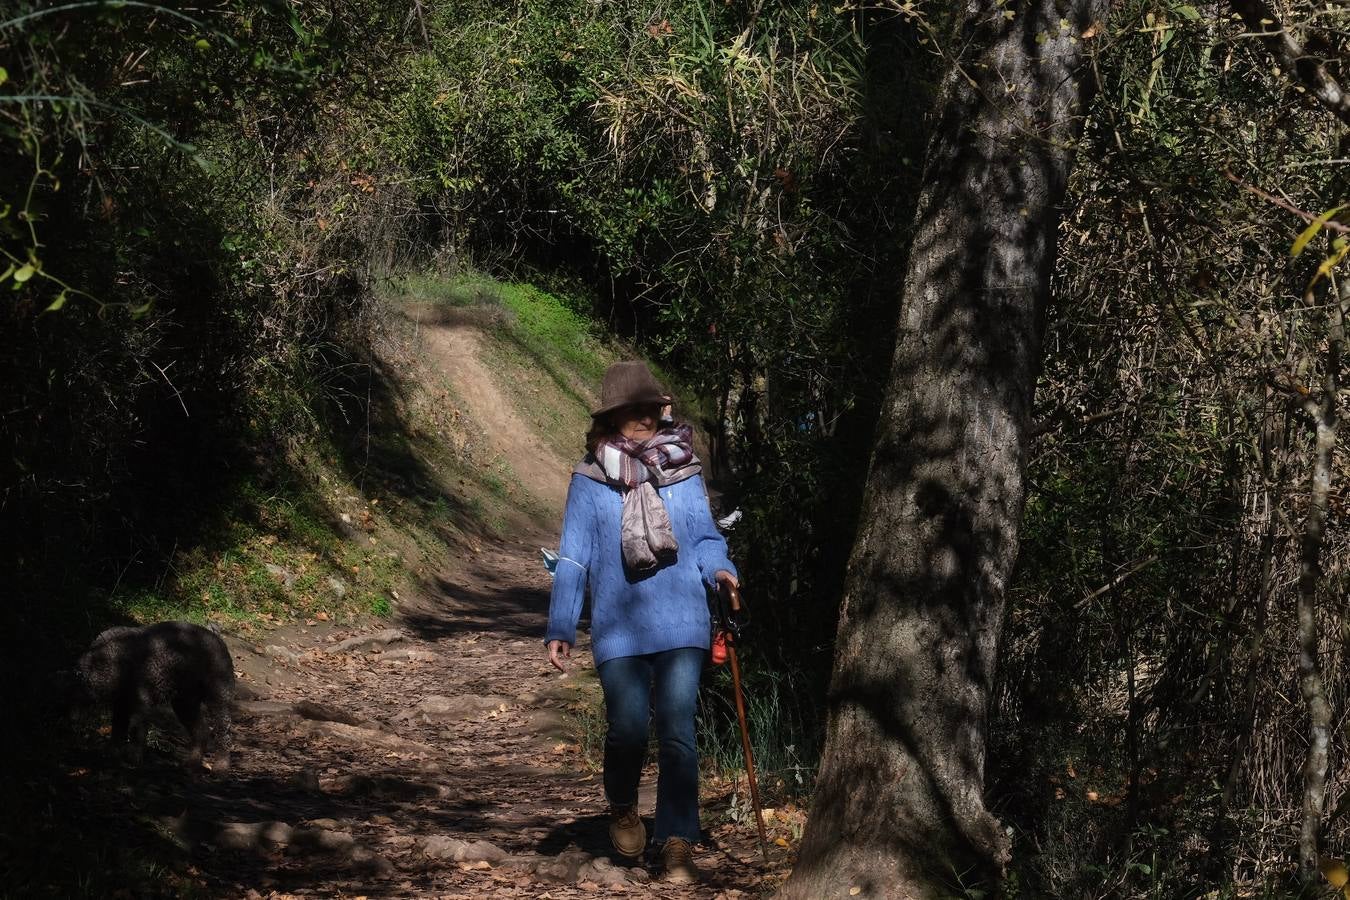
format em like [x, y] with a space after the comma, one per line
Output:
[638, 530]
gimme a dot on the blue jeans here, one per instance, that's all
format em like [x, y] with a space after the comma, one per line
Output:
[664, 684]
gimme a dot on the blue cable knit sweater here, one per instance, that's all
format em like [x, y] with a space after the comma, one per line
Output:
[660, 610]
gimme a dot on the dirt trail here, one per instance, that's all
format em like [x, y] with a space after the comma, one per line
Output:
[449, 734]
[431, 759]
[456, 348]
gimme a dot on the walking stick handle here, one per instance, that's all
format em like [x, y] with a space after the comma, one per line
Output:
[733, 596]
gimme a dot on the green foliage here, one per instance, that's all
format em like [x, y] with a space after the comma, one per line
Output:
[190, 219]
[782, 743]
[182, 268]
[1146, 649]
[555, 331]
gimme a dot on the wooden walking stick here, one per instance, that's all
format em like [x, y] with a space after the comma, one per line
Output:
[730, 630]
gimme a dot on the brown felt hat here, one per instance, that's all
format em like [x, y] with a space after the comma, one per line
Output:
[629, 384]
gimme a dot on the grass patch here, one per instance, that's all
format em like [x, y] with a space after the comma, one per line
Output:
[777, 739]
[305, 546]
[584, 719]
[551, 327]
[543, 332]
[554, 330]
[559, 418]
[550, 355]
[550, 330]
[458, 290]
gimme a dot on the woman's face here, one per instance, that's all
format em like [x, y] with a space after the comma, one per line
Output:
[637, 423]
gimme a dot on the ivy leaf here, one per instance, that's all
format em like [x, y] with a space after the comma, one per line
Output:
[1187, 12]
[56, 304]
[4, 76]
[24, 272]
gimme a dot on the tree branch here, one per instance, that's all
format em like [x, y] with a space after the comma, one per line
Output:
[1261, 20]
[1062, 416]
[1329, 225]
[1128, 570]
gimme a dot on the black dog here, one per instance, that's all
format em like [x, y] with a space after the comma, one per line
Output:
[176, 663]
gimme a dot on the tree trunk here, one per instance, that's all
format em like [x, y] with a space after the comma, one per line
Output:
[899, 808]
[1324, 414]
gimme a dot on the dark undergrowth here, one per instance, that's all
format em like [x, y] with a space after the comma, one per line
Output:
[334, 523]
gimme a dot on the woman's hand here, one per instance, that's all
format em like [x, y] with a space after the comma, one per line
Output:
[723, 577]
[558, 651]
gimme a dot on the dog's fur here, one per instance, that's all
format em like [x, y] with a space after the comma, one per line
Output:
[176, 663]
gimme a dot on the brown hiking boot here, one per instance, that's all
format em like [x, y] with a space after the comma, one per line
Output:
[677, 859]
[627, 832]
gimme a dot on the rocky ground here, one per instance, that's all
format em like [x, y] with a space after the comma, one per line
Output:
[434, 758]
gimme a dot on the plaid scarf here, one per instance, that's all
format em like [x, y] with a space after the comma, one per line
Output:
[661, 458]
[637, 468]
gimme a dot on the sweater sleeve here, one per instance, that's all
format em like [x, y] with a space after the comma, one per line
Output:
[710, 548]
[575, 555]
